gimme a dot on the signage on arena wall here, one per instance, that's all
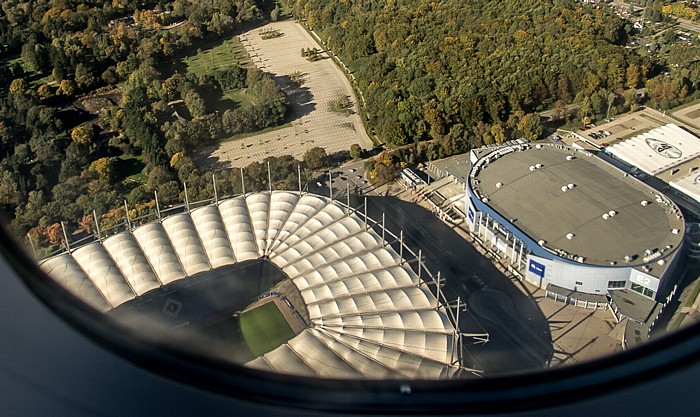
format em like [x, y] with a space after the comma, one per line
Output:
[664, 149]
[536, 268]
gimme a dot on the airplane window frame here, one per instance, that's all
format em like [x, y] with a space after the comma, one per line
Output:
[516, 392]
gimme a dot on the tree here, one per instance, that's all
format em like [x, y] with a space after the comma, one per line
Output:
[355, 151]
[103, 167]
[195, 104]
[83, 133]
[275, 13]
[315, 157]
[9, 190]
[18, 86]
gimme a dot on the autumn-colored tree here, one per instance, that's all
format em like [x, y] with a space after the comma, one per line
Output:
[67, 87]
[83, 133]
[18, 86]
[87, 223]
[103, 167]
[54, 234]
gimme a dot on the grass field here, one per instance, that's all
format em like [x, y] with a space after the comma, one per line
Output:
[218, 56]
[264, 328]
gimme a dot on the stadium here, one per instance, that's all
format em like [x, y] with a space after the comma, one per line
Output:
[282, 281]
[587, 232]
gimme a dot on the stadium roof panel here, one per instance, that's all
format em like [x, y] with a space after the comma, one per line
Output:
[577, 204]
[342, 268]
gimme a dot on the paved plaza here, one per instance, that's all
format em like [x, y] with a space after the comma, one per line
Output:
[314, 123]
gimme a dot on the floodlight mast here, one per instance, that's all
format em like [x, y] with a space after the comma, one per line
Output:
[330, 184]
[365, 212]
[128, 220]
[242, 183]
[216, 194]
[97, 225]
[155, 194]
[299, 177]
[269, 177]
[65, 236]
[187, 199]
[31, 243]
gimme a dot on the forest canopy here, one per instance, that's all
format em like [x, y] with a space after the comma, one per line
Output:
[467, 73]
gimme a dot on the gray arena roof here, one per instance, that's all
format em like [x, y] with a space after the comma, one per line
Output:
[579, 206]
[371, 315]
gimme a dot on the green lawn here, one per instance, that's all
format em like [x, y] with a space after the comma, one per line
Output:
[213, 57]
[128, 169]
[218, 56]
[264, 328]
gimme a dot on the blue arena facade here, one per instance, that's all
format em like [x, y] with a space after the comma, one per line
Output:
[572, 224]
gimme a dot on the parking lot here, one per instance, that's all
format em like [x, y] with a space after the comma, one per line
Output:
[314, 123]
[623, 127]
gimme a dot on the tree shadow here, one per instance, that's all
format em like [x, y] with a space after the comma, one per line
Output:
[299, 96]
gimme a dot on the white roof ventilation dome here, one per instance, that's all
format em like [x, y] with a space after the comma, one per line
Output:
[645, 203]
[675, 231]
[612, 213]
[570, 186]
[541, 242]
[606, 216]
[499, 184]
[564, 188]
[532, 168]
[570, 236]
[569, 158]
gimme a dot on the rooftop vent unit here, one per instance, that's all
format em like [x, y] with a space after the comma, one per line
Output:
[646, 268]
[564, 188]
[570, 186]
[541, 242]
[675, 231]
[570, 236]
[538, 166]
[606, 216]
[485, 200]
[499, 184]
[580, 259]
[645, 203]
[538, 146]
[661, 262]
[613, 263]
[532, 168]
[569, 158]
[628, 258]
[612, 213]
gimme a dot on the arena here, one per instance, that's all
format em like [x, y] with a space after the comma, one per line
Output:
[355, 307]
[573, 224]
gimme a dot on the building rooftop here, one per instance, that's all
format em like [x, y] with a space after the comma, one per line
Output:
[658, 150]
[579, 207]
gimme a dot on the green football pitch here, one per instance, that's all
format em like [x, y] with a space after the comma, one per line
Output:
[264, 328]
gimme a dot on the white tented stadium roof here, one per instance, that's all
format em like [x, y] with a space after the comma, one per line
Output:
[659, 149]
[370, 314]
